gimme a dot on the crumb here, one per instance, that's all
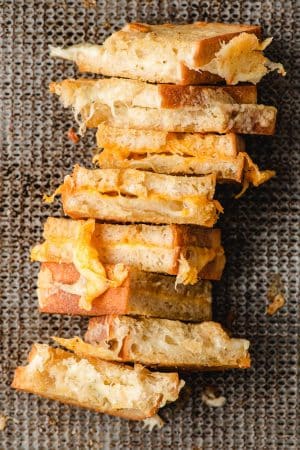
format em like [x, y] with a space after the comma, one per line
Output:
[153, 422]
[94, 445]
[106, 26]
[275, 295]
[3, 420]
[89, 3]
[210, 397]
[277, 303]
[73, 136]
[53, 421]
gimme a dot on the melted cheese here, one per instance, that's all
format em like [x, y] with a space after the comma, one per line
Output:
[93, 279]
[242, 59]
[253, 175]
[85, 383]
[140, 142]
[153, 422]
[189, 268]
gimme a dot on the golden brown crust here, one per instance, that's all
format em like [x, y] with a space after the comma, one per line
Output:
[257, 128]
[196, 77]
[96, 334]
[189, 235]
[214, 269]
[114, 300]
[64, 273]
[208, 47]
[137, 26]
[176, 96]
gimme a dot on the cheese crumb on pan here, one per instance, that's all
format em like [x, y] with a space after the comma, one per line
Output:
[275, 295]
[242, 59]
[210, 398]
[3, 421]
[153, 422]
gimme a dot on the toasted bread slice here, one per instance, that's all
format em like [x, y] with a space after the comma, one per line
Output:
[160, 342]
[198, 53]
[152, 248]
[178, 153]
[114, 91]
[135, 196]
[138, 105]
[141, 142]
[142, 293]
[119, 390]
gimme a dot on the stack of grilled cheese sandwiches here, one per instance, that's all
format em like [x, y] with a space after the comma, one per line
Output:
[138, 251]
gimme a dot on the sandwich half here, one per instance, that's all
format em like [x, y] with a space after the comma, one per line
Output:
[198, 53]
[160, 342]
[138, 105]
[70, 281]
[168, 249]
[131, 195]
[178, 153]
[130, 392]
[60, 288]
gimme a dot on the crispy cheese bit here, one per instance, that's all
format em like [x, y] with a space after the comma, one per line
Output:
[252, 175]
[4, 419]
[50, 198]
[277, 302]
[152, 422]
[242, 59]
[188, 272]
[210, 398]
[73, 136]
[275, 295]
[218, 206]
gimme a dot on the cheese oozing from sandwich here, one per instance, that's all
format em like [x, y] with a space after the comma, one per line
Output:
[93, 279]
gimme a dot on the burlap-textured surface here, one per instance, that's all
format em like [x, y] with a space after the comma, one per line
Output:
[261, 235]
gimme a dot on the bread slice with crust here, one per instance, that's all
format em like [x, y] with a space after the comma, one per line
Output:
[130, 392]
[198, 53]
[178, 153]
[136, 196]
[142, 293]
[138, 105]
[152, 248]
[160, 342]
[187, 144]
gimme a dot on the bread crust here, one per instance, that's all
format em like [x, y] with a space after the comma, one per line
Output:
[194, 77]
[176, 96]
[170, 96]
[114, 300]
[208, 47]
[133, 329]
[182, 54]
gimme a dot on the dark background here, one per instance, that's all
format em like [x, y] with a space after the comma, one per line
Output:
[260, 233]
